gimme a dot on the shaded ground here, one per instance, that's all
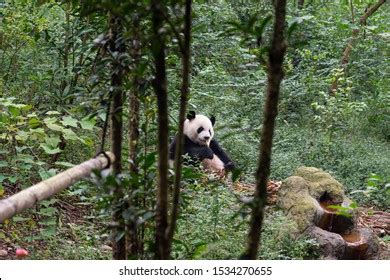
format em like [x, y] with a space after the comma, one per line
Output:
[77, 234]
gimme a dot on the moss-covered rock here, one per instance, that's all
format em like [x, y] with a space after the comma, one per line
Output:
[300, 194]
[321, 182]
[305, 198]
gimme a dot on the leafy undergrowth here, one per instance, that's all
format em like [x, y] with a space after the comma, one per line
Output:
[62, 228]
[214, 226]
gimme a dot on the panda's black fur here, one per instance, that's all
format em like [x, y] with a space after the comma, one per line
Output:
[202, 153]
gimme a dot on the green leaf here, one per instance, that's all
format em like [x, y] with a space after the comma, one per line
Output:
[69, 134]
[291, 29]
[52, 141]
[49, 232]
[2, 178]
[54, 127]
[19, 219]
[12, 179]
[53, 113]
[34, 122]
[69, 121]
[47, 211]
[200, 249]
[14, 111]
[38, 131]
[86, 140]
[87, 124]
[49, 150]
[25, 158]
[22, 135]
[260, 29]
[3, 163]
[46, 174]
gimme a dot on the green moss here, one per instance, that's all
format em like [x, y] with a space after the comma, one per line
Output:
[299, 194]
[321, 182]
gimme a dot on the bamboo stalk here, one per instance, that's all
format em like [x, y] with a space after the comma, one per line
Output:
[27, 198]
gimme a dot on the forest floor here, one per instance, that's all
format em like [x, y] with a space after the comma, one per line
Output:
[77, 235]
[80, 236]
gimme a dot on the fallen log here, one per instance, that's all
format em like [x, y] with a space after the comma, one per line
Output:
[27, 198]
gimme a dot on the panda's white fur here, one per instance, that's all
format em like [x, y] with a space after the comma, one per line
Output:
[191, 126]
[203, 138]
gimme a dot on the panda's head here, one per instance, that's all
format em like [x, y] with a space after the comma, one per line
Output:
[199, 128]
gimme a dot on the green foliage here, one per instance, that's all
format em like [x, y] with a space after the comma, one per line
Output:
[377, 191]
[213, 226]
[346, 211]
[54, 86]
[29, 138]
[337, 112]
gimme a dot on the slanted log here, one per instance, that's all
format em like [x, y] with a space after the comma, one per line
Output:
[27, 198]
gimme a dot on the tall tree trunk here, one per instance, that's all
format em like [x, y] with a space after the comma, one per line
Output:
[160, 87]
[185, 88]
[351, 42]
[132, 241]
[117, 45]
[275, 76]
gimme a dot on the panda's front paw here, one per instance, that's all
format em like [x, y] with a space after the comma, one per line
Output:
[230, 166]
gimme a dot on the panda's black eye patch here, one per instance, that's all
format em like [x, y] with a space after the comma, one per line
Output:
[200, 129]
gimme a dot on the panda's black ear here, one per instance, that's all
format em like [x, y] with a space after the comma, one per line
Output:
[191, 115]
[212, 119]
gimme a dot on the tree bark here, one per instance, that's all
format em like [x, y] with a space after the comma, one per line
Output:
[117, 45]
[133, 243]
[160, 87]
[301, 4]
[351, 42]
[185, 88]
[275, 76]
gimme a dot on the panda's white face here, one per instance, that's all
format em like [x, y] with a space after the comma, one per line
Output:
[199, 129]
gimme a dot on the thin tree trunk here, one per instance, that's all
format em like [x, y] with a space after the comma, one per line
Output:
[275, 76]
[301, 4]
[160, 87]
[185, 88]
[117, 45]
[351, 42]
[132, 241]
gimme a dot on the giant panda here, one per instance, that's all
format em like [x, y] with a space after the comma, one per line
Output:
[200, 146]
